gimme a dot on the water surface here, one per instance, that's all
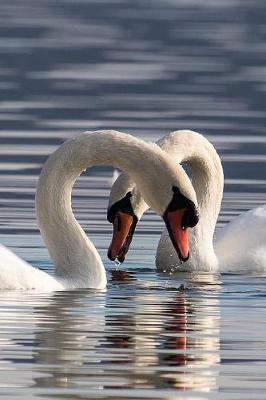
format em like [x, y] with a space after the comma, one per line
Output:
[147, 68]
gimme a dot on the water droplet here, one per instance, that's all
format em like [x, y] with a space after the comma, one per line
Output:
[117, 264]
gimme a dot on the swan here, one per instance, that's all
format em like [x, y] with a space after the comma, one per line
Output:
[238, 245]
[76, 261]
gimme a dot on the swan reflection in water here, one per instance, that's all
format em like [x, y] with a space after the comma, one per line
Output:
[134, 336]
[172, 336]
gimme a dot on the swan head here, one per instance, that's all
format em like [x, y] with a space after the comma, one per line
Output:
[175, 201]
[121, 214]
[180, 215]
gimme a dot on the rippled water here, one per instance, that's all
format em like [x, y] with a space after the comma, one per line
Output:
[145, 67]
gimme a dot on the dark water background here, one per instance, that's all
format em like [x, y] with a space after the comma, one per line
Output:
[147, 68]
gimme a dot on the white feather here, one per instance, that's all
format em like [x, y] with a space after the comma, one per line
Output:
[77, 262]
[240, 245]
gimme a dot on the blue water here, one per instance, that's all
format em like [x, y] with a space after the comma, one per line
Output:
[147, 68]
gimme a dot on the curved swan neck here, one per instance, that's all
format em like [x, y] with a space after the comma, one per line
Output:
[207, 174]
[73, 254]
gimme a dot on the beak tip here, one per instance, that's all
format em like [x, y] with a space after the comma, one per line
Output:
[184, 258]
[121, 258]
[110, 255]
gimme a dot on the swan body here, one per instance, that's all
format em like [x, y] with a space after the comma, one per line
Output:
[77, 264]
[240, 244]
[198, 153]
[16, 274]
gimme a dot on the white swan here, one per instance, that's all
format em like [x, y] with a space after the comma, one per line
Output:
[239, 245]
[77, 262]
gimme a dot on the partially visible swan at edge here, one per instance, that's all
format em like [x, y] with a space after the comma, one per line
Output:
[241, 244]
[77, 262]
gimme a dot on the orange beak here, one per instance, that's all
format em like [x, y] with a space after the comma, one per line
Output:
[178, 234]
[123, 229]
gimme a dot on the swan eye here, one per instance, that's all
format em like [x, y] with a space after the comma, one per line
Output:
[179, 201]
[123, 205]
[190, 218]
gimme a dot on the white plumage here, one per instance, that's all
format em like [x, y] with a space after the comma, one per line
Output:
[240, 245]
[77, 262]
